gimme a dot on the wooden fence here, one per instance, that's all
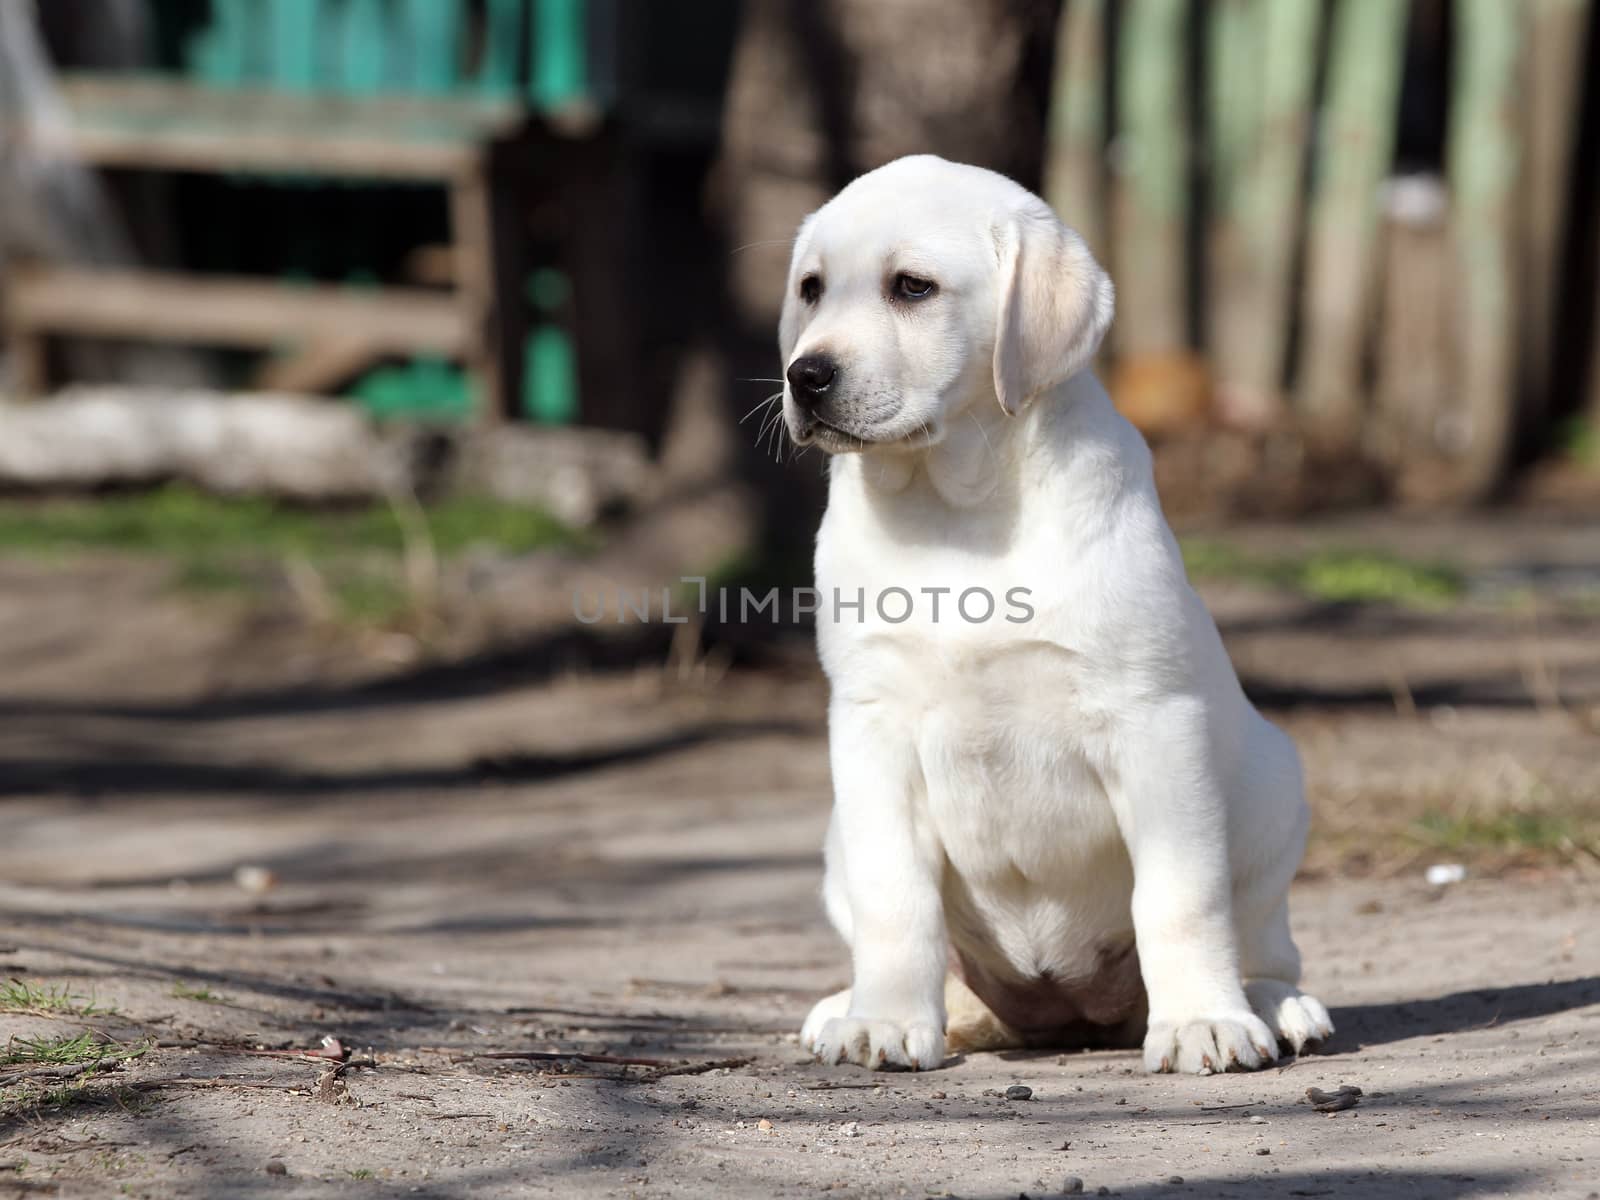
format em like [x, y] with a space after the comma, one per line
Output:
[1235, 162]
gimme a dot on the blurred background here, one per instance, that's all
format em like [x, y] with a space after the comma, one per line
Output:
[347, 342]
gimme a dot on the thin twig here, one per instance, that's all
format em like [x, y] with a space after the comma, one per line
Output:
[66, 1071]
[567, 1056]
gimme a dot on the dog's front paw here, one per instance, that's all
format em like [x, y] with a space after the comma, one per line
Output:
[1204, 1045]
[823, 1011]
[1293, 1016]
[882, 1045]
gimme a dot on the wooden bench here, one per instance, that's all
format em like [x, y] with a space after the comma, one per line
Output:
[481, 148]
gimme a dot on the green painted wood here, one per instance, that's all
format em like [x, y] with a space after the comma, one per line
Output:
[550, 395]
[362, 46]
[366, 47]
[560, 63]
[503, 40]
[433, 33]
[222, 52]
[1356, 152]
[1151, 200]
[292, 64]
[1483, 161]
[1076, 133]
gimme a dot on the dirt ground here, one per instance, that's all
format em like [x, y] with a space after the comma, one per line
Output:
[492, 878]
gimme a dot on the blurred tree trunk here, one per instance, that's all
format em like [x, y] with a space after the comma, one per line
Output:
[823, 90]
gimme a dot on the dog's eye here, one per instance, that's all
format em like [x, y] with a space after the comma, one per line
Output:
[811, 289]
[909, 287]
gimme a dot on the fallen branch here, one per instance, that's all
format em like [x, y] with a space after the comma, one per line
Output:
[660, 1067]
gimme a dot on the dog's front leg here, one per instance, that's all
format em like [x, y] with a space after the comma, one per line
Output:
[1172, 811]
[890, 864]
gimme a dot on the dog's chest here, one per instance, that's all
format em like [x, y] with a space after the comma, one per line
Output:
[1007, 734]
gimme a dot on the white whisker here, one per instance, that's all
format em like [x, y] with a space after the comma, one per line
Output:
[766, 426]
[759, 407]
[763, 242]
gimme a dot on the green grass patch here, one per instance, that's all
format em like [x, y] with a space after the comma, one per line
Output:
[20, 996]
[1508, 831]
[64, 1051]
[30, 1101]
[53, 1051]
[181, 520]
[202, 993]
[1335, 576]
[1579, 439]
[237, 546]
[362, 1173]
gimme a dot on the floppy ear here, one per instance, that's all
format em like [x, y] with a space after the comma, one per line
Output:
[1054, 307]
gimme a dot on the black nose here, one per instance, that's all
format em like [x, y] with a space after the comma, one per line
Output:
[810, 376]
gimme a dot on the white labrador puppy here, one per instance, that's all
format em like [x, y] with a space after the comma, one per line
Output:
[1046, 775]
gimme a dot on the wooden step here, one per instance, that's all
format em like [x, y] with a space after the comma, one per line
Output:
[164, 124]
[213, 310]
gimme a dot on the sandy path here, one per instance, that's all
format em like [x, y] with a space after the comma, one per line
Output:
[620, 867]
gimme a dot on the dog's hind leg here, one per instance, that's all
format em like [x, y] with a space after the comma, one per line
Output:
[1269, 961]
[969, 1025]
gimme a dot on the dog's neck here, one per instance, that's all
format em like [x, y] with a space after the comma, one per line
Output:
[1068, 453]
[964, 468]
[1066, 437]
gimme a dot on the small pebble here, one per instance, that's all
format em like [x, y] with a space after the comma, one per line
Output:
[1072, 1185]
[938, 1095]
[764, 1125]
[258, 881]
[1263, 1149]
[1175, 1179]
[1258, 1120]
[1019, 1091]
[851, 1130]
[1102, 1190]
[276, 1168]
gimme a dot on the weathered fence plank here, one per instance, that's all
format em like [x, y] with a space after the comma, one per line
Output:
[1234, 51]
[1555, 30]
[1483, 163]
[1075, 146]
[1415, 344]
[1354, 152]
[1151, 205]
[1233, 92]
[1253, 334]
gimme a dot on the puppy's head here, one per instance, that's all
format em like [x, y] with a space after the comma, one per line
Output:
[925, 287]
